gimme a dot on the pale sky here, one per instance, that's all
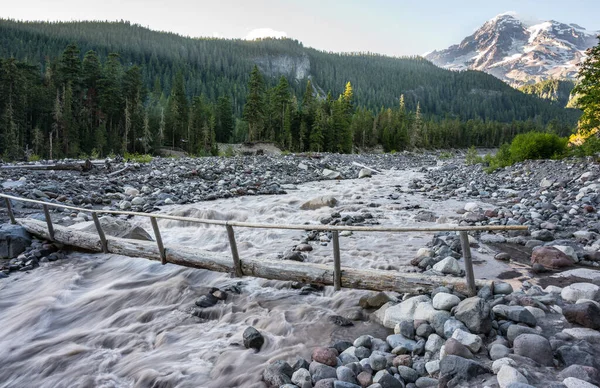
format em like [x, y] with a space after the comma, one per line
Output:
[400, 27]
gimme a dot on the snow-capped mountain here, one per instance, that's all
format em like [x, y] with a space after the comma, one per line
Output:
[519, 51]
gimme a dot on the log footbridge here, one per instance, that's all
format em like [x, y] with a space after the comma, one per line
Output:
[336, 275]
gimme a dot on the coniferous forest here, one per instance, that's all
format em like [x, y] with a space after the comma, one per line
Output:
[94, 88]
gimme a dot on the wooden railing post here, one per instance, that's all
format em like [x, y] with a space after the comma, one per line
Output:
[466, 249]
[49, 222]
[10, 211]
[161, 248]
[237, 265]
[337, 263]
[100, 233]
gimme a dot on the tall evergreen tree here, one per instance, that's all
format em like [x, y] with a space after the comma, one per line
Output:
[224, 119]
[254, 109]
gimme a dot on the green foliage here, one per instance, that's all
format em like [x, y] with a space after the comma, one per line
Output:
[537, 145]
[500, 160]
[445, 155]
[34, 158]
[138, 158]
[591, 147]
[557, 91]
[228, 152]
[588, 90]
[526, 146]
[472, 157]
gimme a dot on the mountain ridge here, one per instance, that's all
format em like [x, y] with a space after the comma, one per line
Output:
[519, 51]
[214, 67]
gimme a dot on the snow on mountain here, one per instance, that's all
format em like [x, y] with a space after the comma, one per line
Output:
[518, 50]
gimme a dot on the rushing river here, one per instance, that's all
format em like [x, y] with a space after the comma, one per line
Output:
[96, 320]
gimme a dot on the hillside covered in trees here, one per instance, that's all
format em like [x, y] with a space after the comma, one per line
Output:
[98, 87]
[557, 91]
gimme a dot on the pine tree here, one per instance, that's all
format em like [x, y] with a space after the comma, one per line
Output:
[416, 139]
[127, 126]
[224, 120]
[100, 139]
[111, 99]
[146, 134]
[37, 141]
[254, 109]
[588, 90]
[316, 134]
[12, 150]
[177, 109]
[70, 66]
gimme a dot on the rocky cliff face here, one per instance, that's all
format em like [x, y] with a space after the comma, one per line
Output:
[294, 67]
[518, 51]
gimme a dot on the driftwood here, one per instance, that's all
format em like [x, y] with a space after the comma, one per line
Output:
[118, 171]
[360, 278]
[79, 166]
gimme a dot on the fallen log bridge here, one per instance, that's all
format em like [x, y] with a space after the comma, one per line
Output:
[359, 278]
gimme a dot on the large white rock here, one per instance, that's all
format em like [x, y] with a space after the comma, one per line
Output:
[471, 206]
[508, 375]
[573, 382]
[471, 341]
[365, 173]
[582, 333]
[330, 174]
[138, 201]
[404, 311]
[432, 367]
[131, 191]
[546, 183]
[445, 301]
[424, 252]
[577, 291]
[449, 265]
[434, 343]
[424, 312]
[499, 363]
[567, 250]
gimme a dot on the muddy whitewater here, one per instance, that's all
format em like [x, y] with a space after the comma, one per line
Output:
[96, 320]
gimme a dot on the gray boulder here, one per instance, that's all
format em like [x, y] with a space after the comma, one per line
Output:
[517, 314]
[474, 312]
[14, 239]
[115, 227]
[455, 370]
[277, 373]
[535, 347]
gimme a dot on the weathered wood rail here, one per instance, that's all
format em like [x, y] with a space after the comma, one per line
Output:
[337, 276]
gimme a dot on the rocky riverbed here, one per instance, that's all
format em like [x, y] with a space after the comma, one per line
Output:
[178, 181]
[547, 300]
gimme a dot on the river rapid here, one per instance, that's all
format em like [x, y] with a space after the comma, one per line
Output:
[96, 320]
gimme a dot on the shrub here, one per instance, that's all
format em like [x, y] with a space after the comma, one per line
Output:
[500, 160]
[530, 145]
[34, 158]
[138, 158]
[537, 145]
[445, 155]
[589, 147]
[472, 157]
[228, 152]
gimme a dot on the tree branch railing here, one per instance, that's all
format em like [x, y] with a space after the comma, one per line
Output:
[229, 225]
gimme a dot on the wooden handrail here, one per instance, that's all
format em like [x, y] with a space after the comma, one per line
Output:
[321, 228]
[237, 263]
